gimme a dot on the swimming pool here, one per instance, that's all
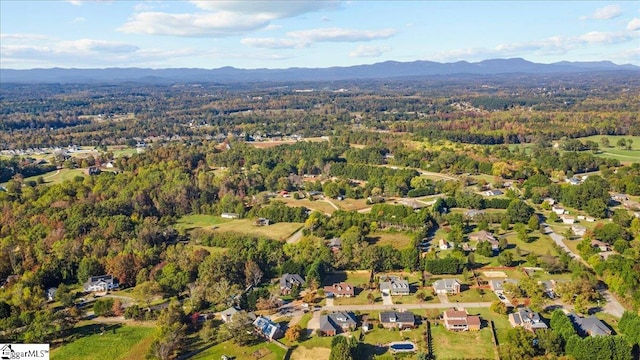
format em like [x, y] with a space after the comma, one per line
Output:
[403, 346]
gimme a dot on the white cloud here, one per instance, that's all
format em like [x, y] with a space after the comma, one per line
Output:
[75, 2]
[634, 24]
[220, 18]
[341, 35]
[272, 27]
[271, 43]
[23, 37]
[197, 25]
[550, 46]
[604, 13]
[79, 19]
[275, 9]
[369, 51]
[305, 38]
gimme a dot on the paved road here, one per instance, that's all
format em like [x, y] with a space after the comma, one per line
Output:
[295, 237]
[407, 306]
[612, 306]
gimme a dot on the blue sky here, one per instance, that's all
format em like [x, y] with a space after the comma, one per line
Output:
[280, 34]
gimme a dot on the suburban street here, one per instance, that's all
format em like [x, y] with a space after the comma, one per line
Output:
[612, 306]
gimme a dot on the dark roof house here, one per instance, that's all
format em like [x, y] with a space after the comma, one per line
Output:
[396, 319]
[527, 319]
[337, 322]
[591, 325]
[100, 283]
[289, 281]
[341, 289]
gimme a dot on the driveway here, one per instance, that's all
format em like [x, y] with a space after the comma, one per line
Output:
[501, 297]
[330, 301]
[443, 298]
[386, 299]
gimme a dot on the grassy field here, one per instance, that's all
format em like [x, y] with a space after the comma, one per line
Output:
[263, 351]
[194, 221]
[352, 204]
[316, 205]
[278, 231]
[615, 152]
[462, 345]
[397, 240]
[128, 342]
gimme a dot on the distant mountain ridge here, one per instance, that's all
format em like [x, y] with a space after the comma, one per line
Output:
[387, 69]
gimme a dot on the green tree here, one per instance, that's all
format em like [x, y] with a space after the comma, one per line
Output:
[533, 222]
[519, 211]
[505, 258]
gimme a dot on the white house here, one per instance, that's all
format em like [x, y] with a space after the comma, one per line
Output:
[443, 244]
[100, 283]
[566, 219]
[559, 210]
[229, 216]
[578, 230]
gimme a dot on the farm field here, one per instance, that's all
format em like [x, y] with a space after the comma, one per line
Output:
[128, 342]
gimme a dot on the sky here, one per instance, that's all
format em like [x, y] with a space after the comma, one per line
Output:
[281, 34]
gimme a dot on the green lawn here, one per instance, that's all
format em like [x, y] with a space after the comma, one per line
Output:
[128, 342]
[462, 345]
[278, 231]
[228, 348]
[615, 152]
[398, 240]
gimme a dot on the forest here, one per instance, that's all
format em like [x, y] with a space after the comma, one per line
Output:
[416, 157]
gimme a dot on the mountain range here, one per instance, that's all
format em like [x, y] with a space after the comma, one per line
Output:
[388, 69]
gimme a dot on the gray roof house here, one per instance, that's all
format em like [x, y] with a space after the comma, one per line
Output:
[527, 319]
[395, 319]
[268, 328]
[395, 286]
[289, 281]
[591, 325]
[227, 315]
[100, 283]
[446, 286]
[337, 322]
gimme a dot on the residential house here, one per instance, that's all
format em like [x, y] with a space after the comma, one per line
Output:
[51, 293]
[336, 323]
[591, 325]
[341, 289]
[93, 170]
[395, 286]
[227, 315]
[550, 201]
[289, 281]
[473, 213]
[631, 205]
[494, 192]
[100, 283]
[566, 219]
[600, 245]
[262, 222]
[590, 219]
[460, 320]
[335, 244]
[443, 244]
[481, 236]
[396, 319]
[573, 181]
[267, 328]
[446, 286]
[578, 230]
[230, 215]
[559, 210]
[527, 319]
[549, 288]
[620, 197]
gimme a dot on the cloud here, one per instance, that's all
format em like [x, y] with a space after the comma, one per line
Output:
[341, 35]
[220, 18]
[23, 37]
[305, 38]
[196, 25]
[604, 13]
[79, 19]
[271, 43]
[634, 24]
[554, 45]
[275, 9]
[75, 2]
[368, 51]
